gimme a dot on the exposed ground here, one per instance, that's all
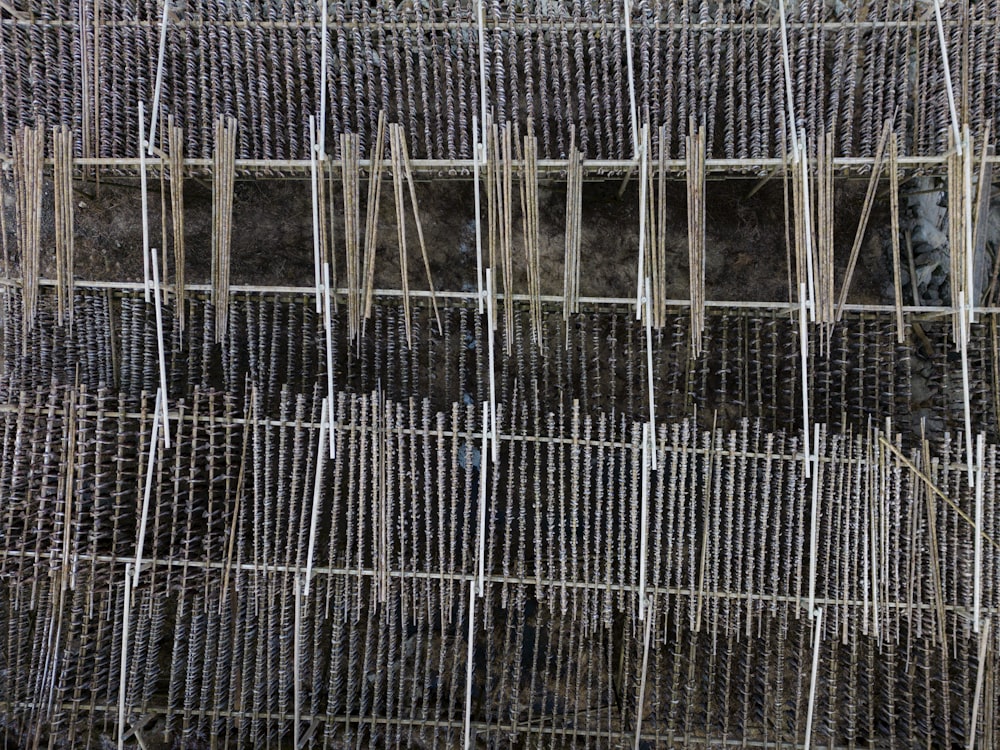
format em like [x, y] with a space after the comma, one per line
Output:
[272, 237]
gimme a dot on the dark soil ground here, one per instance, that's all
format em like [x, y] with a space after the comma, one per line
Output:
[272, 237]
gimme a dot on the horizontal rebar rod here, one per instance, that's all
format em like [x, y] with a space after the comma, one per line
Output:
[361, 720]
[918, 312]
[592, 168]
[319, 571]
[664, 447]
[520, 23]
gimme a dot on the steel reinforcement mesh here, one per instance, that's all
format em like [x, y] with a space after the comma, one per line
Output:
[564, 65]
[413, 587]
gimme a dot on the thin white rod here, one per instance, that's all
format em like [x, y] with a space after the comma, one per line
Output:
[818, 633]
[147, 490]
[468, 668]
[649, 374]
[873, 534]
[481, 538]
[814, 528]
[970, 250]
[123, 665]
[924, 312]
[158, 87]
[323, 57]
[804, 359]
[481, 29]
[947, 77]
[646, 638]
[963, 340]
[327, 318]
[786, 65]
[314, 176]
[491, 326]
[317, 492]
[296, 667]
[633, 112]
[145, 200]
[641, 274]
[478, 204]
[160, 349]
[807, 212]
[984, 647]
[643, 520]
[977, 565]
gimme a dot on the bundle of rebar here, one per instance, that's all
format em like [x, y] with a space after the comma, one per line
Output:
[62, 174]
[29, 150]
[175, 162]
[222, 220]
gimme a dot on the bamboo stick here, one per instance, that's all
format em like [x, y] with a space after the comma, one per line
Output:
[349, 179]
[62, 180]
[395, 138]
[894, 247]
[420, 231]
[372, 213]
[175, 160]
[865, 213]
